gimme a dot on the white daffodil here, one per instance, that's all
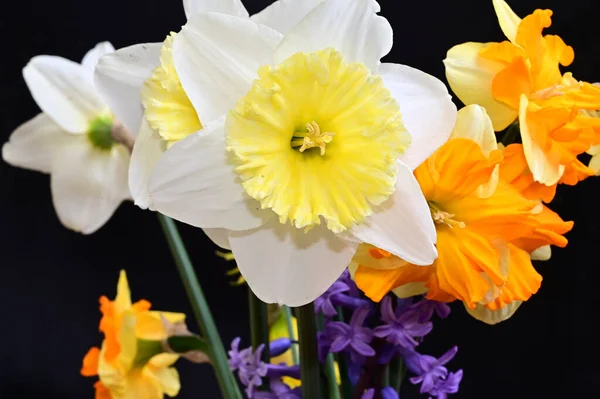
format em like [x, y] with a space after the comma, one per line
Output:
[165, 114]
[72, 140]
[304, 152]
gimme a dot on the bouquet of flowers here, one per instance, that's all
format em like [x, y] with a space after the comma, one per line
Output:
[354, 197]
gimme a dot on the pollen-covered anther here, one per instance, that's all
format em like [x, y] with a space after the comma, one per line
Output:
[313, 137]
[441, 217]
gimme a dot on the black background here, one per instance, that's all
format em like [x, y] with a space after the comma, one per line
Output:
[51, 278]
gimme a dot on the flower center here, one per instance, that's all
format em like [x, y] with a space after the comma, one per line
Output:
[313, 137]
[168, 108]
[317, 138]
[100, 133]
[444, 218]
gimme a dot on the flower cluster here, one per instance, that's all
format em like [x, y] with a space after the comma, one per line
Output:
[251, 370]
[376, 336]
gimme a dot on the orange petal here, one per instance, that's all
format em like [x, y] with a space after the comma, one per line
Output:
[101, 391]
[523, 280]
[90, 363]
[457, 275]
[515, 171]
[458, 157]
[550, 231]
[511, 82]
[376, 283]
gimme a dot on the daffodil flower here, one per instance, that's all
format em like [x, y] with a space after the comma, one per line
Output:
[166, 115]
[306, 146]
[487, 231]
[74, 140]
[521, 79]
[132, 363]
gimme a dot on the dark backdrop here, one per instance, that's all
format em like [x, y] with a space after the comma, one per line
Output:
[51, 278]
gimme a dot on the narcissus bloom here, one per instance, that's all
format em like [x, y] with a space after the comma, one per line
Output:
[486, 231]
[73, 140]
[521, 79]
[131, 363]
[306, 146]
[142, 86]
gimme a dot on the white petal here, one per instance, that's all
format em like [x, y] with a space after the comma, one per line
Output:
[542, 253]
[64, 90]
[219, 237]
[509, 21]
[402, 225]
[119, 78]
[217, 57]
[426, 107]
[482, 313]
[284, 265]
[34, 144]
[229, 7]
[350, 26]
[283, 15]
[195, 182]
[147, 150]
[88, 184]
[90, 60]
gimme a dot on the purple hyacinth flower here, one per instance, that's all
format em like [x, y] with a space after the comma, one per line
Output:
[280, 346]
[369, 394]
[447, 386]
[389, 393]
[279, 390]
[324, 303]
[347, 278]
[426, 308]
[237, 357]
[323, 345]
[428, 369]
[386, 393]
[252, 370]
[402, 326]
[352, 337]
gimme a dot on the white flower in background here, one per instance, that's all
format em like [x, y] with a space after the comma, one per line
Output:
[72, 141]
[304, 152]
[166, 115]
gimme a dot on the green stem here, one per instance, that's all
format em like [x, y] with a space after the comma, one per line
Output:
[291, 333]
[259, 324]
[346, 384]
[225, 378]
[385, 377]
[397, 373]
[309, 359]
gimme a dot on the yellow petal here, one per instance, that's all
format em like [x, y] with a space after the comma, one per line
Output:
[110, 374]
[162, 360]
[473, 123]
[168, 378]
[470, 76]
[127, 340]
[149, 324]
[509, 21]
[543, 170]
[123, 299]
[488, 316]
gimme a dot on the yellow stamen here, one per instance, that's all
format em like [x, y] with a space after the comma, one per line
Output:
[312, 138]
[442, 217]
